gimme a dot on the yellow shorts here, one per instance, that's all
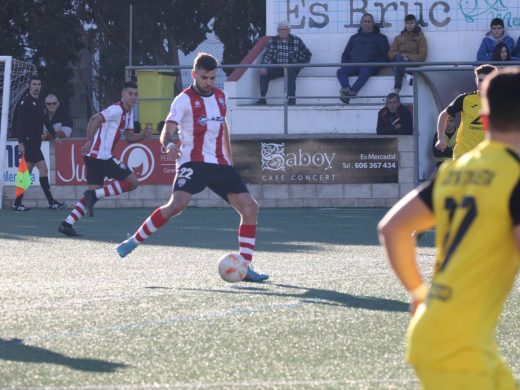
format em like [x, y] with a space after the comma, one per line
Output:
[500, 379]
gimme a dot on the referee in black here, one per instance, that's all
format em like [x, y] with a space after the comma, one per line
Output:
[30, 119]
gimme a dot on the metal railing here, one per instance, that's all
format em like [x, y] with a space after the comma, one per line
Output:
[410, 67]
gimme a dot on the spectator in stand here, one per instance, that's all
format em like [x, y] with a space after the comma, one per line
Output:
[496, 35]
[58, 118]
[394, 118]
[368, 45]
[137, 127]
[450, 138]
[410, 45]
[160, 126]
[516, 52]
[501, 53]
[284, 48]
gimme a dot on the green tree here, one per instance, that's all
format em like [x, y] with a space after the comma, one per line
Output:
[239, 24]
[45, 33]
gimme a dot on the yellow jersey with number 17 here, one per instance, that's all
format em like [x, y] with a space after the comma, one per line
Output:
[471, 130]
[476, 202]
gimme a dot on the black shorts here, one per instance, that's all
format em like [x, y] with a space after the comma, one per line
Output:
[194, 177]
[98, 169]
[33, 151]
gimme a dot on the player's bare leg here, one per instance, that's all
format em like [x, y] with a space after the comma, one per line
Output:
[176, 205]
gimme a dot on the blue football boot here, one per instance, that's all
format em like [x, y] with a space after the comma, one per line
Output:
[253, 276]
[126, 247]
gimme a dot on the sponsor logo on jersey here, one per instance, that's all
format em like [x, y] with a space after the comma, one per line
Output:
[476, 121]
[181, 182]
[221, 101]
[202, 120]
[197, 103]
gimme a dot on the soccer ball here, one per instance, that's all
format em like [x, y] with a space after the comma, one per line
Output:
[232, 268]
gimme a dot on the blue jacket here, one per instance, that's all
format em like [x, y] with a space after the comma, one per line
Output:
[366, 47]
[485, 51]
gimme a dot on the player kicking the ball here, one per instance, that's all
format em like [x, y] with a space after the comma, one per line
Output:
[203, 159]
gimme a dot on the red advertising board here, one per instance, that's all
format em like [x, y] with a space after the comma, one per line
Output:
[147, 159]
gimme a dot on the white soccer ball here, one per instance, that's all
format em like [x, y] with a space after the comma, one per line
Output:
[232, 267]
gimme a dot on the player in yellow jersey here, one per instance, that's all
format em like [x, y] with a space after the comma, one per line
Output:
[471, 130]
[474, 203]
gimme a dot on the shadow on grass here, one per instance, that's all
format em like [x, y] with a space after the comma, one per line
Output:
[319, 297]
[15, 350]
[279, 230]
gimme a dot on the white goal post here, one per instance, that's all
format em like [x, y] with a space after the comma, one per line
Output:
[14, 78]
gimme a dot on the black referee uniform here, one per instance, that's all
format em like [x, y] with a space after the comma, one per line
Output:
[30, 120]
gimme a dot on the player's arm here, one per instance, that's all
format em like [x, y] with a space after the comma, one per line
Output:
[21, 125]
[452, 110]
[517, 236]
[169, 138]
[227, 141]
[409, 215]
[94, 123]
[514, 208]
[132, 137]
[442, 121]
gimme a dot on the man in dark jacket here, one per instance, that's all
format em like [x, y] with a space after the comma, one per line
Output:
[394, 119]
[29, 125]
[368, 45]
[284, 48]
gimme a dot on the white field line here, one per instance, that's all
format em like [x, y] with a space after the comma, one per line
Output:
[227, 385]
[168, 321]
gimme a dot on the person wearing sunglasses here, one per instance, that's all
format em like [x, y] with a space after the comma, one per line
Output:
[58, 117]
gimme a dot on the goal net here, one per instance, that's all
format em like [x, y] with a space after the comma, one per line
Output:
[14, 79]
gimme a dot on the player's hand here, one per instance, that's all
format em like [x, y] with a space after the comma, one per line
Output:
[57, 140]
[85, 148]
[174, 149]
[440, 145]
[414, 304]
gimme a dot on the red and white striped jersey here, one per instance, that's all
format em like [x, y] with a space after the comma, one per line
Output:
[201, 122]
[116, 121]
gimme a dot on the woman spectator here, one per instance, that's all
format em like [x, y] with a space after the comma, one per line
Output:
[501, 52]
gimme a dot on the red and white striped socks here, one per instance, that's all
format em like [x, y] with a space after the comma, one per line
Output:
[246, 241]
[117, 187]
[79, 211]
[152, 223]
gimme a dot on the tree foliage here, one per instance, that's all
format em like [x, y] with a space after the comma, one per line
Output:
[51, 33]
[239, 24]
[45, 33]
